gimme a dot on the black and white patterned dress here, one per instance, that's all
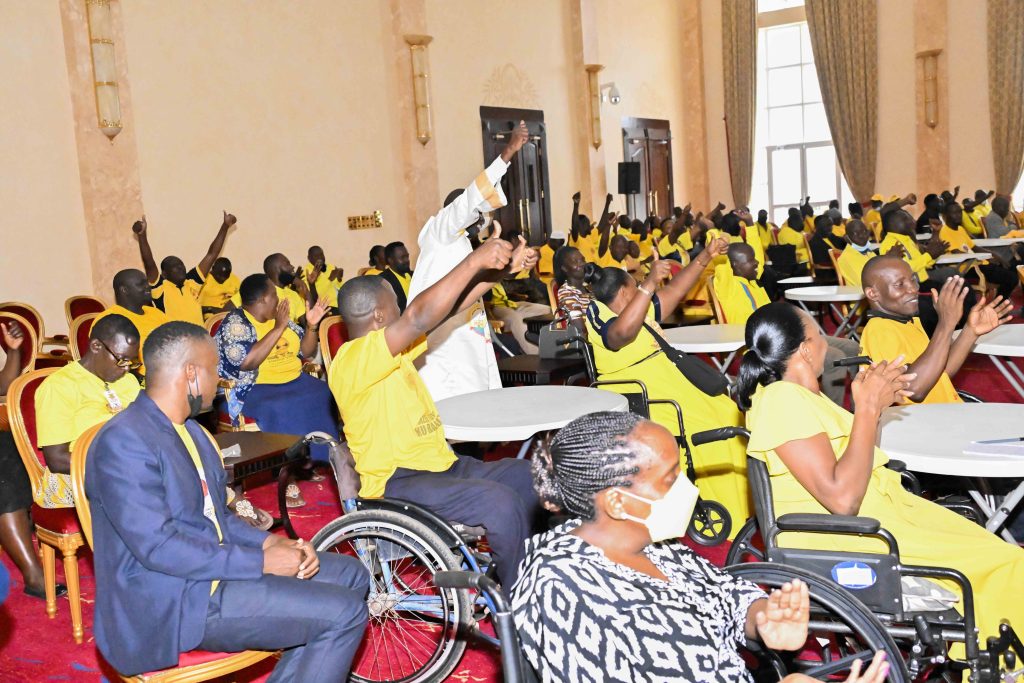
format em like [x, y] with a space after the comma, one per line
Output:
[582, 617]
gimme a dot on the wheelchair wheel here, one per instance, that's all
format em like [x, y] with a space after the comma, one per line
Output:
[746, 547]
[841, 628]
[711, 523]
[417, 631]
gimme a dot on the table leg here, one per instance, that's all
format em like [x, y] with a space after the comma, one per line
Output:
[524, 450]
[846, 322]
[1001, 365]
[804, 306]
[723, 366]
[995, 518]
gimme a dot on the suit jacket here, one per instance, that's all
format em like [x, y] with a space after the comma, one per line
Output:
[155, 554]
[397, 286]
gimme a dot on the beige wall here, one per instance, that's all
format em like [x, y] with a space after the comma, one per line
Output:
[896, 169]
[719, 186]
[970, 145]
[44, 257]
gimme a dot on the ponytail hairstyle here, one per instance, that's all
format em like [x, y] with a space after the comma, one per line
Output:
[605, 283]
[588, 455]
[774, 333]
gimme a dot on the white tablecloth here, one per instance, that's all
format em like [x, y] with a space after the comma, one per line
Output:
[706, 338]
[830, 293]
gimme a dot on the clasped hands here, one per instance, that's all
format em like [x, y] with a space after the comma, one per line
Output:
[285, 557]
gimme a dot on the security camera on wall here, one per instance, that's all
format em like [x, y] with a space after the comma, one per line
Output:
[612, 95]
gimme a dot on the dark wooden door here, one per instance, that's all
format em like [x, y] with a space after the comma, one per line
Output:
[526, 182]
[649, 141]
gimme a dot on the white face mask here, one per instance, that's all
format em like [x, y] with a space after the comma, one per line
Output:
[671, 514]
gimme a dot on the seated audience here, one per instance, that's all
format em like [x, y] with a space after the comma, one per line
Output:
[873, 217]
[133, 298]
[323, 279]
[572, 293]
[931, 215]
[398, 274]
[176, 291]
[377, 262]
[80, 395]
[174, 571]
[900, 235]
[822, 459]
[1001, 220]
[856, 253]
[740, 295]
[220, 287]
[582, 235]
[765, 230]
[289, 283]
[391, 423]
[822, 241]
[15, 488]
[261, 350]
[893, 328]
[619, 567]
[995, 270]
[792, 233]
[623, 330]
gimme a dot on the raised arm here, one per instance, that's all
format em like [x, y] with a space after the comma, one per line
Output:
[261, 349]
[984, 317]
[930, 365]
[687, 278]
[430, 308]
[574, 230]
[604, 227]
[152, 272]
[839, 485]
[13, 339]
[311, 338]
[216, 246]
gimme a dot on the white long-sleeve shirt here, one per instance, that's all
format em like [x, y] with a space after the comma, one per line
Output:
[459, 358]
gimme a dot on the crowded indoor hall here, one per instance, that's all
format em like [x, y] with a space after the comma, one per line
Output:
[569, 341]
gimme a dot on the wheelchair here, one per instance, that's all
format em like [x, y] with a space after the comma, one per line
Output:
[860, 601]
[418, 630]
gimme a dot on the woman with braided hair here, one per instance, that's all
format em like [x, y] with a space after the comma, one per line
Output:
[612, 595]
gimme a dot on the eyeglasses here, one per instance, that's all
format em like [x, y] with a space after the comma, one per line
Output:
[123, 363]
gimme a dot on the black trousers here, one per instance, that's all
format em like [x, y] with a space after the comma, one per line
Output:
[498, 496]
[319, 622]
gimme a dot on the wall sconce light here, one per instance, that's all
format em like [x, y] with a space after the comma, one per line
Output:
[421, 85]
[104, 67]
[612, 95]
[594, 88]
[930, 68]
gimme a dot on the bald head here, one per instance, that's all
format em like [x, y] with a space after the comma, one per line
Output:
[743, 260]
[878, 265]
[890, 286]
[132, 290]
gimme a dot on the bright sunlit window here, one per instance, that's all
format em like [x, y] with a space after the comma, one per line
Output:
[793, 152]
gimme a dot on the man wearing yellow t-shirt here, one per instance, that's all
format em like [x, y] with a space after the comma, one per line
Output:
[582, 235]
[80, 395]
[398, 274]
[791, 233]
[545, 262]
[222, 284]
[175, 290]
[134, 300]
[994, 269]
[856, 254]
[324, 279]
[873, 218]
[894, 330]
[287, 280]
[392, 425]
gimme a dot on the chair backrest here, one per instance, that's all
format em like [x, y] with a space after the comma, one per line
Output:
[761, 493]
[27, 312]
[333, 335]
[79, 334]
[716, 305]
[810, 254]
[78, 455]
[833, 256]
[553, 294]
[214, 322]
[29, 346]
[21, 408]
[1020, 274]
[83, 304]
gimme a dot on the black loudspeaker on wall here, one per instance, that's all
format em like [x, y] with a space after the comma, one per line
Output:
[629, 177]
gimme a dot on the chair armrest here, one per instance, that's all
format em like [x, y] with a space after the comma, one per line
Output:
[968, 397]
[896, 466]
[835, 524]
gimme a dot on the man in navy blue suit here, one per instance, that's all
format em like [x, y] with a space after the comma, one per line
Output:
[175, 571]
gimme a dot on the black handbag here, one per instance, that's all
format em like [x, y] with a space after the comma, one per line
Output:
[556, 343]
[699, 373]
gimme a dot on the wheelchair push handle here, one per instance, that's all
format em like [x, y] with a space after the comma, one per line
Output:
[720, 434]
[852, 361]
[300, 448]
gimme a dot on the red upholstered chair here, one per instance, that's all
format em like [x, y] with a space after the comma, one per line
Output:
[79, 334]
[213, 323]
[29, 347]
[83, 304]
[194, 666]
[333, 335]
[58, 342]
[56, 528]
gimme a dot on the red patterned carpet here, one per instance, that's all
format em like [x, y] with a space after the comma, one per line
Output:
[34, 648]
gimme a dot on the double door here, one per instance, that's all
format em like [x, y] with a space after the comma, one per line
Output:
[649, 142]
[526, 182]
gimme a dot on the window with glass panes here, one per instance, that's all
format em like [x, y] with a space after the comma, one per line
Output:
[794, 154]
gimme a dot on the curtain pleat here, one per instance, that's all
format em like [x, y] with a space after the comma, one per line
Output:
[1006, 90]
[739, 59]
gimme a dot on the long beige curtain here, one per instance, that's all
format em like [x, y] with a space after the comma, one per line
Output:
[1006, 90]
[739, 58]
[846, 56]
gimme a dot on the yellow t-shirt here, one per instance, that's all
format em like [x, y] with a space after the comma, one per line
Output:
[297, 303]
[766, 234]
[145, 322]
[325, 286]
[283, 364]
[181, 303]
[873, 219]
[217, 294]
[546, 263]
[646, 246]
[390, 419]
[809, 225]
[958, 239]
[373, 271]
[587, 245]
[607, 261]
[682, 245]
[884, 339]
[753, 239]
[68, 402]
[972, 222]
[788, 235]
[739, 297]
[851, 264]
[208, 510]
[919, 261]
[404, 280]
[499, 297]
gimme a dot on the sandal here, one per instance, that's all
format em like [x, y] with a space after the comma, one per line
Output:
[293, 497]
[253, 516]
[60, 591]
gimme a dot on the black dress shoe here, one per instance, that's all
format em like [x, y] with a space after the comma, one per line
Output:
[60, 591]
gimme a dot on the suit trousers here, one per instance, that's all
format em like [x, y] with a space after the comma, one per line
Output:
[318, 622]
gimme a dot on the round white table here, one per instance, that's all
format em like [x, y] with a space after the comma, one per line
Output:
[797, 280]
[934, 438]
[709, 339]
[986, 242]
[833, 295]
[518, 413]
[1000, 344]
[950, 259]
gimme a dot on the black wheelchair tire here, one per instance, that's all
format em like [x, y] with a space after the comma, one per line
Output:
[710, 536]
[743, 548]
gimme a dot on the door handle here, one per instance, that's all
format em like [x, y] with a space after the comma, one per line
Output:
[529, 218]
[654, 209]
[522, 220]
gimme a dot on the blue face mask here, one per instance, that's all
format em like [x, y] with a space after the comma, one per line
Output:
[866, 247]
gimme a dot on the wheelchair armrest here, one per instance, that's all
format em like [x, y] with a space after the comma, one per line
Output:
[896, 466]
[968, 397]
[836, 524]
[720, 434]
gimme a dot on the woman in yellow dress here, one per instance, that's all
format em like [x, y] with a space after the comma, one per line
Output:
[823, 459]
[622, 324]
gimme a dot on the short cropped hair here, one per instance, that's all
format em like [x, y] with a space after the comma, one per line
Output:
[110, 326]
[167, 346]
[253, 288]
[358, 297]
